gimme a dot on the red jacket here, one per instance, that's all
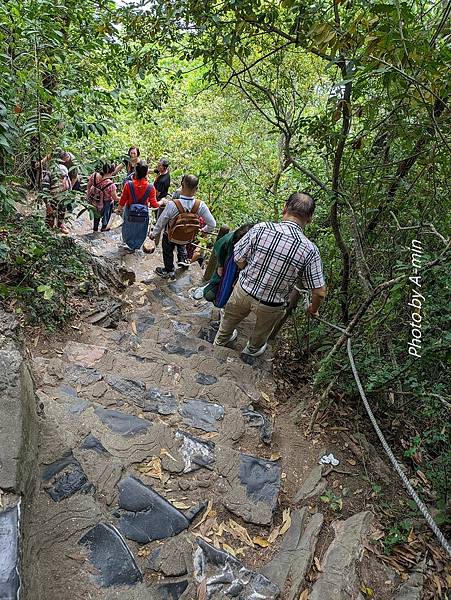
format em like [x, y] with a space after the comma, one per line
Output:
[140, 186]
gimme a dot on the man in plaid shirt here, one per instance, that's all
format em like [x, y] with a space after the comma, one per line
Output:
[272, 257]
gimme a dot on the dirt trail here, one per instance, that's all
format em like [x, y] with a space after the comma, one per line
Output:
[160, 455]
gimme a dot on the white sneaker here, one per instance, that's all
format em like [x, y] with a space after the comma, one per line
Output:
[258, 352]
[231, 339]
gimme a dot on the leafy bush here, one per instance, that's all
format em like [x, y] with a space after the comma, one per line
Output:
[37, 267]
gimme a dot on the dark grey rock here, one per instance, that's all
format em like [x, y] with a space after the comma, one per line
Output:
[181, 284]
[180, 350]
[80, 375]
[412, 589]
[163, 298]
[192, 513]
[174, 558]
[261, 479]
[256, 419]
[9, 553]
[146, 516]
[171, 590]
[202, 414]
[119, 422]
[111, 556]
[92, 443]
[78, 407]
[144, 322]
[204, 379]
[182, 328]
[67, 390]
[227, 577]
[68, 478]
[196, 453]
[132, 389]
[163, 403]
[208, 334]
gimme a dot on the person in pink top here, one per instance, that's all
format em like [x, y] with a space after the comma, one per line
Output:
[102, 194]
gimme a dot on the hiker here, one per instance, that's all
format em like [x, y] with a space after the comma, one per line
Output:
[102, 194]
[138, 194]
[162, 180]
[271, 257]
[129, 163]
[55, 182]
[68, 159]
[179, 223]
[183, 260]
[225, 276]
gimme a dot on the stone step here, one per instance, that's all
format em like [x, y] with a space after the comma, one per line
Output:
[295, 557]
[338, 578]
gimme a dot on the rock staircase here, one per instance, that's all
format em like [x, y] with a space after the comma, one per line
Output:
[156, 475]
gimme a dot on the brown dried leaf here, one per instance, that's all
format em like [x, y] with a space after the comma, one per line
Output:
[228, 549]
[274, 535]
[151, 468]
[286, 521]
[240, 532]
[133, 327]
[260, 541]
[207, 512]
[317, 564]
[181, 505]
[304, 595]
[275, 456]
[164, 452]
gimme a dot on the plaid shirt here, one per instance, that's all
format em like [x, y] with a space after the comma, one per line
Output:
[277, 254]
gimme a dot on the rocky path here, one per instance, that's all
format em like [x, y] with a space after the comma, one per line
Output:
[158, 477]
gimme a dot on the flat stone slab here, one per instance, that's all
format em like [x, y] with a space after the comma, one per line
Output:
[65, 477]
[172, 590]
[256, 419]
[83, 354]
[174, 558]
[181, 284]
[261, 479]
[144, 322]
[132, 389]
[412, 589]
[338, 577]
[111, 556]
[204, 379]
[80, 375]
[146, 516]
[314, 485]
[180, 350]
[196, 453]
[9, 553]
[183, 328]
[227, 577]
[158, 401]
[119, 422]
[202, 414]
[92, 443]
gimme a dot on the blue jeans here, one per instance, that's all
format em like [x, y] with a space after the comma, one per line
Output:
[105, 215]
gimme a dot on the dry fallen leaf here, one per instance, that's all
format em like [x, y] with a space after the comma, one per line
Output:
[144, 551]
[228, 549]
[275, 456]
[151, 468]
[181, 505]
[304, 595]
[317, 564]
[286, 522]
[274, 535]
[133, 327]
[164, 452]
[240, 531]
[208, 512]
[260, 541]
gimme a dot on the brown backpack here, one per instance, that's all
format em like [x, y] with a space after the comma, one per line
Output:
[186, 225]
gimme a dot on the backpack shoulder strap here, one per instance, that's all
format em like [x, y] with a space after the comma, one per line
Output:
[196, 207]
[146, 193]
[105, 187]
[179, 205]
[131, 188]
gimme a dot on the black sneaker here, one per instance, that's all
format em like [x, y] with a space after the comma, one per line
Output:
[183, 264]
[165, 274]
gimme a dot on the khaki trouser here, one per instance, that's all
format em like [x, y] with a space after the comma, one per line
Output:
[239, 305]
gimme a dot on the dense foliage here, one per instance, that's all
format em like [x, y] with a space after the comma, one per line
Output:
[349, 100]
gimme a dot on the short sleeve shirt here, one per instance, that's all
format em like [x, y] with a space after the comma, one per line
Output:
[109, 192]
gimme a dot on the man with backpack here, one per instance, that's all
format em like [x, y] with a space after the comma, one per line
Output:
[55, 183]
[180, 223]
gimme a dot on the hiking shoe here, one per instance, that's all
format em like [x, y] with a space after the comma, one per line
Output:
[105, 229]
[183, 264]
[231, 339]
[64, 229]
[165, 274]
[258, 352]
